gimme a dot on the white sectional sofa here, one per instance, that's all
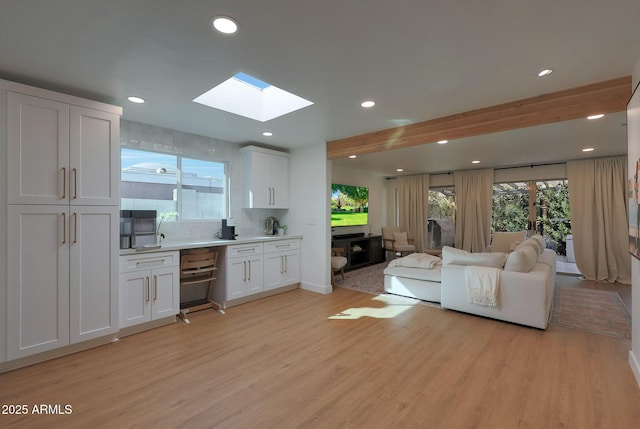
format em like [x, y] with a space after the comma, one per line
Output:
[526, 282]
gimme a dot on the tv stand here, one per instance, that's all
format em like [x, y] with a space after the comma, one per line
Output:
[359, 250]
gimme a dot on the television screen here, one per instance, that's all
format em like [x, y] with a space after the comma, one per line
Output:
[349, 205]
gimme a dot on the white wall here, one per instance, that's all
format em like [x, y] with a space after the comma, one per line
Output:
[309, 214]
[634, 354]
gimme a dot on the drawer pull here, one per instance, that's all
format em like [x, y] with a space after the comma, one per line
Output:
[153, 261]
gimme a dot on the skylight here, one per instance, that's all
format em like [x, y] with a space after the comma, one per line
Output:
[252, 98]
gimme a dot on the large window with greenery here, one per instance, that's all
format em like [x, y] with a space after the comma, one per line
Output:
[542, 206]
[175, 186]
[442, 217]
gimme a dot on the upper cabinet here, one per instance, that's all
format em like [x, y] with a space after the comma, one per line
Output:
[265, 178]
[61, 153]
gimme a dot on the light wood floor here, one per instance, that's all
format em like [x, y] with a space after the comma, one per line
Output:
[283, 362]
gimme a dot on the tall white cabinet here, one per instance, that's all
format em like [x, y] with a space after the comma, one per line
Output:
[62, 175]
[266, 178]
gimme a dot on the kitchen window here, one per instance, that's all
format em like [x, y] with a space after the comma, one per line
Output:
[177, 187]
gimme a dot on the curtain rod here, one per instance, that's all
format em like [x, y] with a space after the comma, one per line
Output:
[499, 168]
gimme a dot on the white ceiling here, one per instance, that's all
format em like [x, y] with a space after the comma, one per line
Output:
[419, 59]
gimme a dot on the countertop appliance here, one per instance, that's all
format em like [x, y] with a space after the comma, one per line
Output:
[228, 230]
[271, 225]
[138, 228]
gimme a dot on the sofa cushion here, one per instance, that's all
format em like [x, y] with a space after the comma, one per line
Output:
[452, 256]
[400, 238]
[433, 275]
[521, 260]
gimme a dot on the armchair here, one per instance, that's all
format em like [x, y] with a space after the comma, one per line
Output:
[396, 241]
[337, 263]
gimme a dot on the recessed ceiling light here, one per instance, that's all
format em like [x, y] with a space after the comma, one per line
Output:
[443, 141]
[399, 170]
[587, 149]
[267, 134]
[368, 104]
[544, 72]
[475, 161]
[598, 116]
[224, 24]
[137, 100]
[352, 156]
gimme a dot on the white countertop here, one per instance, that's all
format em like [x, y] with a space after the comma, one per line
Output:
[214, 242]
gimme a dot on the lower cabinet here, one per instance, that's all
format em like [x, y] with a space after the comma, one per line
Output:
[244, 270]
[62, 276]
[281, 263]
[149, 287]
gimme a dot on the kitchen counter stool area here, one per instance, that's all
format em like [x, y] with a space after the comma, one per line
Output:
[154, 282]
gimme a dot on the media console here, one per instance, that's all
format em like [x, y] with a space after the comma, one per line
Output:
[360, 250]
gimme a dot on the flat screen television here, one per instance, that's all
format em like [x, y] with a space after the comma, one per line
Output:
[349, 205]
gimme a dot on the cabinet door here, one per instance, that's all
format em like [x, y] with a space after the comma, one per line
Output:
[258, 188]
[165, 292]
[236, 278]
[38, 279]
[93, 235]
[94, 154]
[37, 150]
[274, 268]
[279, 179]
[255, 276]
[135, 298]
[291, 273]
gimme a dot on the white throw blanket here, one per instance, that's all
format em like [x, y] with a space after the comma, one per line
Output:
[416, 260]
[482, 285]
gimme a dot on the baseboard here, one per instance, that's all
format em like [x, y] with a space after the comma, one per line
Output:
[325, 290]
[635, 366]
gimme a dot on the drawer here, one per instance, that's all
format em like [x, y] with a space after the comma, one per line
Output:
[281, 245]
[236, 250]
[147, 261]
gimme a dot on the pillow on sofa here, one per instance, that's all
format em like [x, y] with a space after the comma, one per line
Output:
[451, 255]
[530, 243]
[400, 238]
[540, 240]
[521, 260]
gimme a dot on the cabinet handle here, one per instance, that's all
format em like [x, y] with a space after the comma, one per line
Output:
[274, 196]
[249, 276]
[155, 288]
[153, 261]
[147, 281]
[75, 227]
[64, 228]
[64, 183]
[75, 183]
[281, 264]
[244, 264]
[285, 263]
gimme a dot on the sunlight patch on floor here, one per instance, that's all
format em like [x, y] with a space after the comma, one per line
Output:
[393, 306]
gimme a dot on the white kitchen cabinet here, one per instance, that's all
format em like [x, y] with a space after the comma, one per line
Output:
[281, 263]
[62, 198]
[60, 153]
[62, 264]
[149, 287]
[244, 270]
[266, 178]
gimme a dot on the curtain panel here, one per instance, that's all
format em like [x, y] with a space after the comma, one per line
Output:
[413, 200]
[599, 212]
[474, 194]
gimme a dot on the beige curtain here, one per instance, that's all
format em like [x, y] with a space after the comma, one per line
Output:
[474, 192]
[413, 200]
[599, 218]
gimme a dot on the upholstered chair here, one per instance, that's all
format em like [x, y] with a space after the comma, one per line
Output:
[337, 263]
[397, 242]
[505, 242]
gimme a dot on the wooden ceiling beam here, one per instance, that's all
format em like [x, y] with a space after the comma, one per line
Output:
[603, 97]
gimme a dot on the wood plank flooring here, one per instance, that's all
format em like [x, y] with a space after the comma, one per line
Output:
[344, 360]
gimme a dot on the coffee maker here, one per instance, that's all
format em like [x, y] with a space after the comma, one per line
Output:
[228, 231]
